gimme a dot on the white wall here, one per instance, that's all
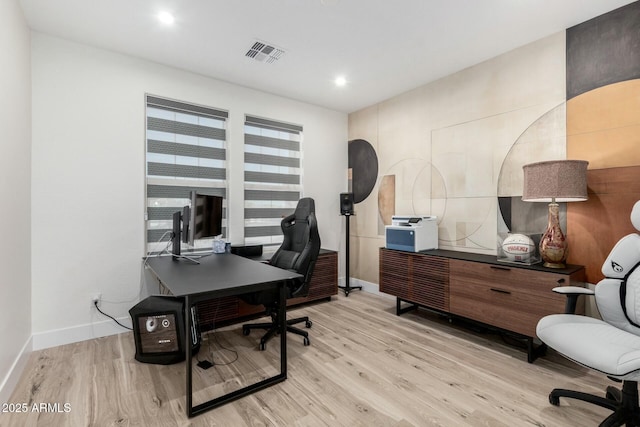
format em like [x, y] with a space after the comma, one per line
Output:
[88, 175]
[445, 144]
[15, 195]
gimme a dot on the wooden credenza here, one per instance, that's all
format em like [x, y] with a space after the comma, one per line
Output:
[510, 297]
[227, 310]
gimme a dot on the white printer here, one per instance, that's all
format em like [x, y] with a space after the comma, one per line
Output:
[412, 233]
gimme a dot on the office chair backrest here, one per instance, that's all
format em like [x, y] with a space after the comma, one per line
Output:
[618, 295]
[301, 244]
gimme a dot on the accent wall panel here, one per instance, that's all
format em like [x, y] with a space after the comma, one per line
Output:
[596, 225]
[603, 50]
[603, 127]
[603, 90]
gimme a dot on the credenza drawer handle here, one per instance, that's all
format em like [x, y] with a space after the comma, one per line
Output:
[500, 268]
[561, 281]
[500, 291]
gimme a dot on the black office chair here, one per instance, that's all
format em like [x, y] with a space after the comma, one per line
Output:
[298, 252]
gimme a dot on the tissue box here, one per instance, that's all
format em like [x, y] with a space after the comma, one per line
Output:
[219, 246]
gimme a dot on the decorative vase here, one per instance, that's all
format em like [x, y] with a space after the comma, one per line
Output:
[553, 244]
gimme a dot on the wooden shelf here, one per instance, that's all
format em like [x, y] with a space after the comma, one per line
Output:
[506, 296]
[415, 278]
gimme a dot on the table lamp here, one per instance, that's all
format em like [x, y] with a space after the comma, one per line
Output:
[552, 182]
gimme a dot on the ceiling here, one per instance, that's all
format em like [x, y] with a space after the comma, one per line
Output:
[381, 47]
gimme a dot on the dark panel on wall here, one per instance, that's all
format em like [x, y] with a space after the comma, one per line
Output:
[504, 209]
[363, 163]
[604, 50]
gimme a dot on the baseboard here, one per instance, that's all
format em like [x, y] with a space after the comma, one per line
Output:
[56, 337]
[368, 287]
[73, 334]
[15, 372]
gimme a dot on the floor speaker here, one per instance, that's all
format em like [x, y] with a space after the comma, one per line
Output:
[346, 203]
[158, 330]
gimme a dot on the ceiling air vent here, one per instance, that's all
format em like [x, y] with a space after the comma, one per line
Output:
[264, 52]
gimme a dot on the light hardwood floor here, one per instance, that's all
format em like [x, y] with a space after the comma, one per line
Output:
[365, 367]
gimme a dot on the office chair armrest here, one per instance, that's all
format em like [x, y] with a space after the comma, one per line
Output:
[572, 293]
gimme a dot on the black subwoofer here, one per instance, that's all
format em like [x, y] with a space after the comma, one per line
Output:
[158, 330]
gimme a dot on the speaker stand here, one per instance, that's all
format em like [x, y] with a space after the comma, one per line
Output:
[347, 289]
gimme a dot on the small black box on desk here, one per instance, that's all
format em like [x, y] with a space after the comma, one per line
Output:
[247, 251]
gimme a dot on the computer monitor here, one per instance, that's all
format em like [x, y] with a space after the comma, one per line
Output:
[201, 220]
[206, 217]
[180, 230]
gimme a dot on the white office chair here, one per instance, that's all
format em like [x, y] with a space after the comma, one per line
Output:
[611, 345]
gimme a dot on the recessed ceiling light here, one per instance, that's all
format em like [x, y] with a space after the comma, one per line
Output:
[340, 81]
[166, 18]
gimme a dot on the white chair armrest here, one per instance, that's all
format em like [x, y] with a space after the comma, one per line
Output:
[573, 290]
[572, 293]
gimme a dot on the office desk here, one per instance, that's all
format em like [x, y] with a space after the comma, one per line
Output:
[221, 275]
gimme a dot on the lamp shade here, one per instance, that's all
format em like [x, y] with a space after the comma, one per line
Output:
[555, 180]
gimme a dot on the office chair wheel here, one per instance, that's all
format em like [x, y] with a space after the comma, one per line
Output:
[308, 323]
[554, 400]
[306, 341]
[246, 331]
[263, 346]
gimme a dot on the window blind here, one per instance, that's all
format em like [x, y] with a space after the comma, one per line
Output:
[186, 150]
[272, 177]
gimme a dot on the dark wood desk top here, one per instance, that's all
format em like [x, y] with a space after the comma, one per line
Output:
[222, 274]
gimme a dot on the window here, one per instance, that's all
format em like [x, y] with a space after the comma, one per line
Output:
[186, 150]
[272, 177]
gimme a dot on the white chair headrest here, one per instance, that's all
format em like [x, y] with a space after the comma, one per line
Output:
[635, 215]
[625, 255]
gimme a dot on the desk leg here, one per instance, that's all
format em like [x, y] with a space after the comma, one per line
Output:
[282, 315]
[187, 347]
[245, 391]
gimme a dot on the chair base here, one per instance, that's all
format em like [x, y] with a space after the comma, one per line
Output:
[623, 403]
[272, 329]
